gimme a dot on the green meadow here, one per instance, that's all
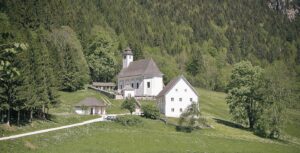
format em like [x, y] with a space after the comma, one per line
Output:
[154, 135]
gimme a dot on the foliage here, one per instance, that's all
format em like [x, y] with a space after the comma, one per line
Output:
[245, 95]
[129, 104]
[191, 118]
[279, 96]
[71, 66]
[129, 120]
[100, 55]
[9, 74]
[259, 99]
[150, 111]
[178, 30]
[201, 39]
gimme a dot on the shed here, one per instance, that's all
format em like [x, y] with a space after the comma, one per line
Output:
[108, 86]
[90, 106]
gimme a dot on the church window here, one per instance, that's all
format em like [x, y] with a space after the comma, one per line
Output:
[137, 85]
[132, 85]
[180, 99]
[172, 109]
[148, 84]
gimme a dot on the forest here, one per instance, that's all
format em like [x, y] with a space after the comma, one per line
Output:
[47, 46]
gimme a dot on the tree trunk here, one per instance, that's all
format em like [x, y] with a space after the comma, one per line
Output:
[8, 117]
[251, 123]
[47, 113]
[18, 122]
[30, 118]
[24, 116]
[43, 112]
[2, 116]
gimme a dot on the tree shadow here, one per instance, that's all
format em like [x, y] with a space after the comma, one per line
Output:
[231, 124]
[185, 129]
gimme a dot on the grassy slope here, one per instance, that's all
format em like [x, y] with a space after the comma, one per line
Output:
[153, 136]
[62, 115]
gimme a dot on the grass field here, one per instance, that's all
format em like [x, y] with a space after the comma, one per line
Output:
[155, 136]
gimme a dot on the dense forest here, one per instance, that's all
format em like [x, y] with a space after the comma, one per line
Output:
[65, 44]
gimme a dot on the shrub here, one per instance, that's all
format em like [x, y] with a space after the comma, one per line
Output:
[129, 120]
[150, 111]
[129, 104]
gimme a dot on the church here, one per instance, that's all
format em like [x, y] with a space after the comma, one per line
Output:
[140, 79]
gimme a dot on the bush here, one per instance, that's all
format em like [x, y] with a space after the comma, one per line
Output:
[150, 111]
[129, 104]
[129, 120]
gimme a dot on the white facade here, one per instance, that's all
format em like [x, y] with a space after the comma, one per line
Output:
[142, 86]
[127, 59]
[128, 93]
[142, 76]
[89, 110]
[177, 99]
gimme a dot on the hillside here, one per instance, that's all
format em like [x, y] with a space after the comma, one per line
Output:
[51, 50]
[201, 39]
[153, 135]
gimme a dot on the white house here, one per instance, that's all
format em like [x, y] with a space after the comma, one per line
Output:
[90, 106]
[176, 97]
[142, 76]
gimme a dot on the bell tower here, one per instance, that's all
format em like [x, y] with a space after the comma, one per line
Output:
[127, 57]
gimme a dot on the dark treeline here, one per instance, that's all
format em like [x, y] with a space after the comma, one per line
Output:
[73, 42]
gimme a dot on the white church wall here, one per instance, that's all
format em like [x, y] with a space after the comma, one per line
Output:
[156, 85]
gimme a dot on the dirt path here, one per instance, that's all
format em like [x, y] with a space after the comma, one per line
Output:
[52, 129]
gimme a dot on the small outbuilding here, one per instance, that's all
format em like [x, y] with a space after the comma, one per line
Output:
[128, 92]
[90, 106]
[107, 86]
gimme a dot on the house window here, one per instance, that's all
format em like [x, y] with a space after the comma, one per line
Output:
[137, 85]
[125, 57]
[172, 99]
[121, 87]
[185, 90]
[191, 99]
[132, 85]
[180, 109]
[172, 109]
[176, 89]
[148, 84]
[180, 99]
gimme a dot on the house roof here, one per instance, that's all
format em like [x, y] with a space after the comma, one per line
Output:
[140, 67]
[104, 84]
[90, 101]
[172, 83]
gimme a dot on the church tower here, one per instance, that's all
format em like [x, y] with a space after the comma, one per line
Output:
[127, 57]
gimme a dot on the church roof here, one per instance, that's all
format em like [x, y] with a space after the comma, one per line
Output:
[140, 67]
[127, 51]
[90, 101]
[172, 83]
